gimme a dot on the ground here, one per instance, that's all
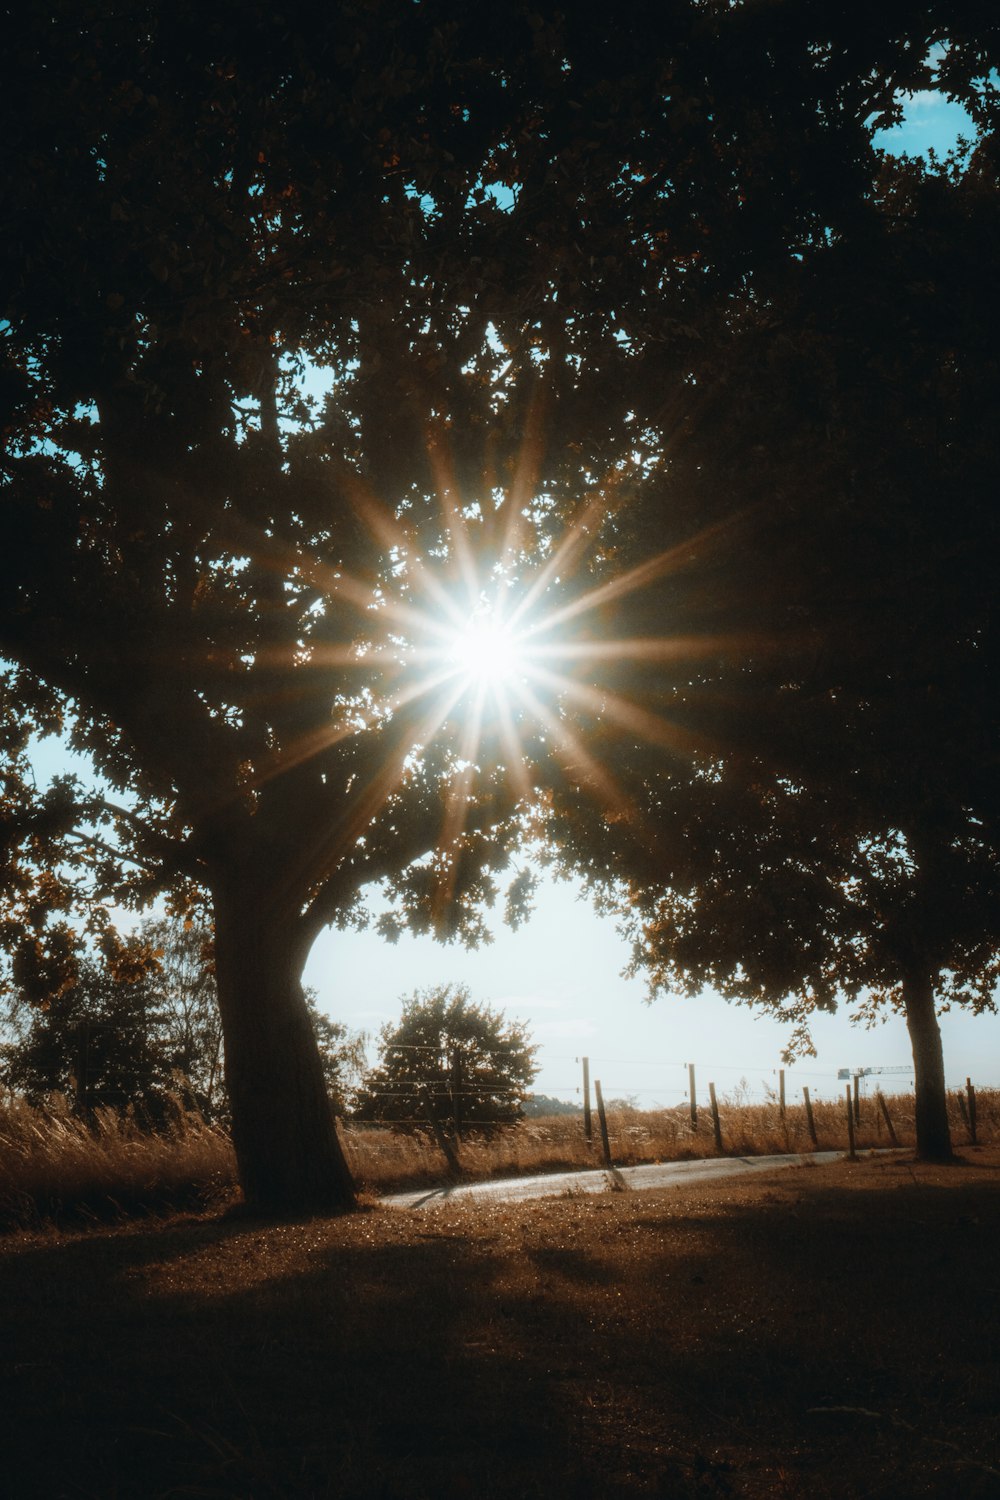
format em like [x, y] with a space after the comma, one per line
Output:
[817, 1331]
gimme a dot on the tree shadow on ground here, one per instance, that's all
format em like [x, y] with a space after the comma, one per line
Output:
[809, 1341]
[138, 1365]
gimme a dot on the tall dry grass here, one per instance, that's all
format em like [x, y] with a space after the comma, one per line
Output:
[56, 1167]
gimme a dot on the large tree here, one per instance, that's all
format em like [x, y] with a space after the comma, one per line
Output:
[836, 833]
[502, 242]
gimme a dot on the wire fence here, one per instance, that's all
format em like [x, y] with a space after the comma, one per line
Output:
[453, 1090]
[668, 1086]
[560, 1075]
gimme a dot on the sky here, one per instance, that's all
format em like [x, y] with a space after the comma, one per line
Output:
[561, 972]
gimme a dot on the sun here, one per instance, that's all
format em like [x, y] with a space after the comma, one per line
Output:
[487, 654]
[496, 651]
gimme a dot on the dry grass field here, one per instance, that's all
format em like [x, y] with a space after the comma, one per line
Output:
[56, 1169]
[818, 1333]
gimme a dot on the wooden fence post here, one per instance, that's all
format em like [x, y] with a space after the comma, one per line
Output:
[852, 1153]
[809, 1117]
[602, 1117]
[715, 1118]
[781, 1091]
[971, 1092]
[693, 1097]
[588, 1123]
[885, 1115]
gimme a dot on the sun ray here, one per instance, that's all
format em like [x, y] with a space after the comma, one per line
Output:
[333, 843]
[636, 648]
[575, 759]
[672, 559]
[311, 744]
[470, 641]
[456, 809]
[515, 764]
[574, 542]
[396, 540]
[526, 474]
[439, 457]
[601, 702]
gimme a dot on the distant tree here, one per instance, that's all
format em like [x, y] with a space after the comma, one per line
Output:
[465, 1063]
[343, 1054]
[146, 1026]
[100, 1041]
[191, 1030]
[545, 1104]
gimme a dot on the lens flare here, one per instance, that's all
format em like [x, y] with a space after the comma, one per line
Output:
[502, 660]
[487, 654]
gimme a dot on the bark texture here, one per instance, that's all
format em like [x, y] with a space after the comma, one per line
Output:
[933, 1134]
[289, 1156]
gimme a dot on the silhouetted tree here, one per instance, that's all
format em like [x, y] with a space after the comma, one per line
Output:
[147, 1027]
[835, 832]
[465, 1063]
[103, 1040]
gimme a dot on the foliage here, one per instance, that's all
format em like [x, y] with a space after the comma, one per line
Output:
[537, 1105]
[134, 1040]
[101, 1041]
[126, 1032]
[835, 831]
[51, 896]
[184, 978]
[343, 1053]
[463, 1062]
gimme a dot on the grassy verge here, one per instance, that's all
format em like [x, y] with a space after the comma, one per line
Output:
[55, 1168]
[814, 1333]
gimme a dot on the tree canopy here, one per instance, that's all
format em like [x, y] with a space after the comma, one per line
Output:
[837, 834]
[449, 1060]
[322, 338]
[135, 1032]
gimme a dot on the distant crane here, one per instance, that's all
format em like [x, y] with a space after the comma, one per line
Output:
[854, 1075]
[846, 1074]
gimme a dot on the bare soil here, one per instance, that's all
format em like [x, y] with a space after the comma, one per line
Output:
[813, 1332]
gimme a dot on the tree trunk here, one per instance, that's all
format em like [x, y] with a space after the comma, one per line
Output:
[289, 1157]
[933, 1135]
